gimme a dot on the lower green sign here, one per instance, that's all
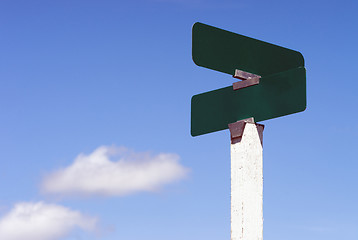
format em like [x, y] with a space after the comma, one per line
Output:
[276, 95]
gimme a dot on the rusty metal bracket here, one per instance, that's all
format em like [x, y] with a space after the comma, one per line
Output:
[248, 79]
[237, 128]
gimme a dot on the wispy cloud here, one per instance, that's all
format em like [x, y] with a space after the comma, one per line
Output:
[99, 174]
[42, 221]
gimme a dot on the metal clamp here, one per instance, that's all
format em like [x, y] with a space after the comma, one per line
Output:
[249, 79]
[237, 129]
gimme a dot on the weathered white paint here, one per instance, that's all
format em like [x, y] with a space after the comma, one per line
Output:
[247, 185]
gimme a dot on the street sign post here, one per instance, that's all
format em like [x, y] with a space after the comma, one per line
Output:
[247, 184]
[273, 85]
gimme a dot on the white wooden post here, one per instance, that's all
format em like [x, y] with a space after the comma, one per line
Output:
[247, 183]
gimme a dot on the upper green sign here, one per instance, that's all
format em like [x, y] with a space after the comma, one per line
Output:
[225, 51]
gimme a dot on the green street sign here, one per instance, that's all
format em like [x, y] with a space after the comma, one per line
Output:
[280, 91]
[226, 51]
[276, 95]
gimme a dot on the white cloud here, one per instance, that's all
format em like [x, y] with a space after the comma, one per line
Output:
[42, 221]
[98, 174]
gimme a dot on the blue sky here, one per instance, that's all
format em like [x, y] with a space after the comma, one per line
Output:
[79, 75]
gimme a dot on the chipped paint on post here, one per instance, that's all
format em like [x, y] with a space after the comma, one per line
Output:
[247, 184]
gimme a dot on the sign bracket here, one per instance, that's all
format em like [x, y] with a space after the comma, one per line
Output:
[248, 79]
[237, 128]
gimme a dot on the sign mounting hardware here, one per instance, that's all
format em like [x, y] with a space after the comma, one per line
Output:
[237, 128]
[248, 79]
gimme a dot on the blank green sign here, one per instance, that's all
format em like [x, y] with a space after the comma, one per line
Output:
[277, 95]
[282, 87]
[225, 51]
